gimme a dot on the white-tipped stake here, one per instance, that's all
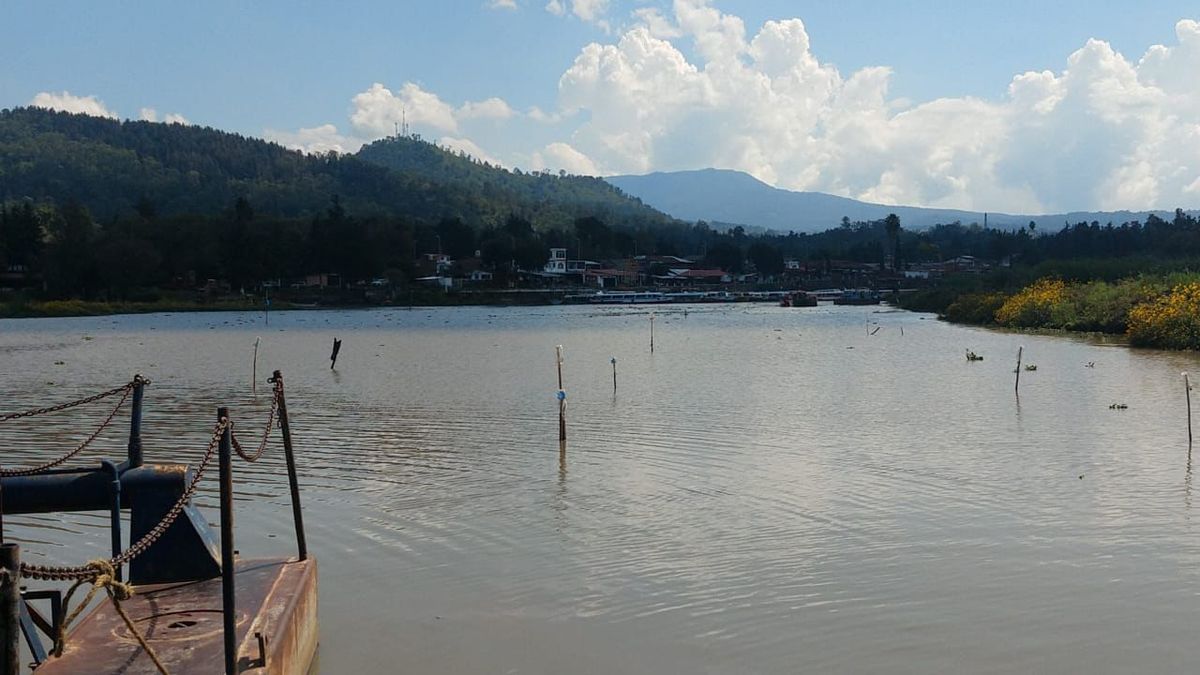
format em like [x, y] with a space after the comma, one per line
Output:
[254, 369]
[1017, 386]
[1187, 392]
[562, 397]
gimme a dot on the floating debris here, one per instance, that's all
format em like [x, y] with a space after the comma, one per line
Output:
[1031, 367]
[1090, 364]
[972, 356]
[1118, 406]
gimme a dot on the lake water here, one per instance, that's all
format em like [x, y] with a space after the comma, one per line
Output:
[771, 491]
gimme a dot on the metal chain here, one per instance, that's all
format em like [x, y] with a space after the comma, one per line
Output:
[30, 471]
[262, 445]
[52, 573]
[137, 379]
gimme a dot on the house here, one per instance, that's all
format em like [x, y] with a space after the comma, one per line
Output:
[558, 263]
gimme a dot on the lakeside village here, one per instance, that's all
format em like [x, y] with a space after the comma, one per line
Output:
[633, 280]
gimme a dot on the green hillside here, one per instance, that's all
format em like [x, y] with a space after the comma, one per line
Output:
[112, 166]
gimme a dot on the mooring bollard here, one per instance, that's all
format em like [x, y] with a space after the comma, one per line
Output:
[135, 423]
[10, 609]
[614, 365]
[1017, 386]
[1187, 392]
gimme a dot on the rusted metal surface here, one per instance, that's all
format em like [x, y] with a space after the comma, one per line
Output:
[277, 600]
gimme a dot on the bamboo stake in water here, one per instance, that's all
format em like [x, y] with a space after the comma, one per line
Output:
[562, 397]
[1017, 386]
[254, 369]
[1187, 390]
[614, 365]
[651, 332]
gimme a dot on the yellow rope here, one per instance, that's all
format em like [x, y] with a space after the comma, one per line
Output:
[117, 591]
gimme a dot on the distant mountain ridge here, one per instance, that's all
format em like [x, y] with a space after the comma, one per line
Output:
[734, 197]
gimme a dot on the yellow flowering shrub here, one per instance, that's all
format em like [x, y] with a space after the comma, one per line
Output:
[1171, 320]
[1034, 305]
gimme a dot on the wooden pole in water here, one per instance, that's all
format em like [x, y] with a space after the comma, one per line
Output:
[1187, 390]
[614, 365]
[254, 369]
[651, 332]
[1017, 386]
[562, 397]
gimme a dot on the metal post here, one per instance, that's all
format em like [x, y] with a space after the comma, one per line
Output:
[228, 604]
[114, 510]
[135, 423]
[10, 609]
[293, 484]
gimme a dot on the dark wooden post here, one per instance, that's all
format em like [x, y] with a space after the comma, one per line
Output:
[1187, 392]
[10, 609]
[293, 484]
[228, 601]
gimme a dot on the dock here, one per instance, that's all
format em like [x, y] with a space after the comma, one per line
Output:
[192, 605]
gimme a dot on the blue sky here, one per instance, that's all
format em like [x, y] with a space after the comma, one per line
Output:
[275, 68]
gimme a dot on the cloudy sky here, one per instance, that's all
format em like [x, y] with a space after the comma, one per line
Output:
[1013, 106]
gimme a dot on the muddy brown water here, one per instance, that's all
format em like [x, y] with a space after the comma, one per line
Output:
[771, 491]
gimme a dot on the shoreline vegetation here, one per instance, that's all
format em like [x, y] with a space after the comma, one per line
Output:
[1159, 311]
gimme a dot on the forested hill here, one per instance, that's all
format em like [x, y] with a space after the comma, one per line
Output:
[544, 192]
[113, 167]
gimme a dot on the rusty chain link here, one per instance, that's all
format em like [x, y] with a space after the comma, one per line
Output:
[137, 379]
[262, 445]
[124, 390]
[53, 573]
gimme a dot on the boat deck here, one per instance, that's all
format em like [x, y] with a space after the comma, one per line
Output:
[276, 599]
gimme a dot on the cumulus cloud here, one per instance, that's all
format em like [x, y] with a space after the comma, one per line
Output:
[560, 155]
[377, 110]
[469, 147]
[1102, 132]
[694, 87]
[151, 115]
[320, 140]
[67, 102]
[590, 11]
[492, 108]
[502, 4]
